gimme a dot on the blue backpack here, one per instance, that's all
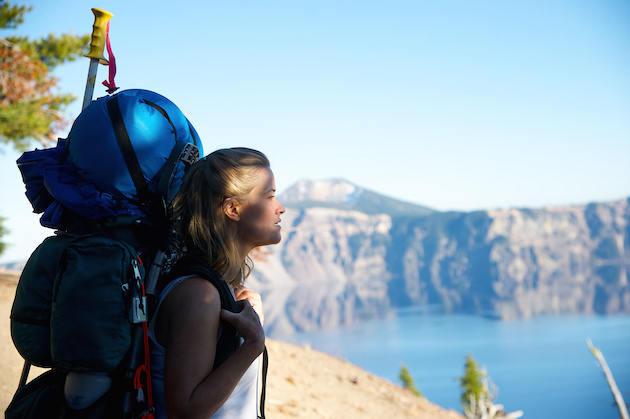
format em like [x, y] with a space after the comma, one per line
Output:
[84, 296]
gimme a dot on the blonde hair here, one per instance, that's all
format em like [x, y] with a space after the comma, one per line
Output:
[200, 222]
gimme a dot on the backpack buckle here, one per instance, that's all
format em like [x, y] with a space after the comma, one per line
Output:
[189, 154]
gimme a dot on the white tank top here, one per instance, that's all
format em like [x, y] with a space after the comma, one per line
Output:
[242, 403]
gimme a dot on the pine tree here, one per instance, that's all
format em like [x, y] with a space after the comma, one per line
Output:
[472, 383]
[478, 394]
[407, 381]
[31, 109]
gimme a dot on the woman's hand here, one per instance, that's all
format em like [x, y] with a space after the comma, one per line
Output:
[244, 293]
[248, 325]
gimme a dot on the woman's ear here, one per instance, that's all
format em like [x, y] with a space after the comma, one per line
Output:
[231, 208]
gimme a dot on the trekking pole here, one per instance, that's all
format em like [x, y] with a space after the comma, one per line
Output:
[99, 36]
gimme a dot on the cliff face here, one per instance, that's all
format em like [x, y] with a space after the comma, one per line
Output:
[563, 260]
[330, 269]
[335, 266]
[515, 263]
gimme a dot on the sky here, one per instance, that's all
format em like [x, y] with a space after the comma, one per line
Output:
[452, 104]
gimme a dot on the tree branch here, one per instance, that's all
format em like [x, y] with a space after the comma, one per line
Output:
[621, 405]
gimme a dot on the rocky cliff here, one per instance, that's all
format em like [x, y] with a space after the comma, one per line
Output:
[347, 258]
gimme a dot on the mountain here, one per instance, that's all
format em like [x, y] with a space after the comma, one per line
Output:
[349, 254]
[341, 194]
[340, 262]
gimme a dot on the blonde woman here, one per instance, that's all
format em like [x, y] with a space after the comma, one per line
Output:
[225, 208]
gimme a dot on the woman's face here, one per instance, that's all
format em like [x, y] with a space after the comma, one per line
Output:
[259, 216]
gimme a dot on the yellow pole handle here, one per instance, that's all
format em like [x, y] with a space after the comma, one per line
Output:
[99, 35]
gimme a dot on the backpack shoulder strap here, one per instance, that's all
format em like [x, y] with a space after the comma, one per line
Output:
[193, 265]
[229, 338]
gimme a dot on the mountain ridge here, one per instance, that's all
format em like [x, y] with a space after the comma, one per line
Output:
[340, 193]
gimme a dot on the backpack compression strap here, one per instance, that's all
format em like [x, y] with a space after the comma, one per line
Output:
[135, 171]
[182, 151]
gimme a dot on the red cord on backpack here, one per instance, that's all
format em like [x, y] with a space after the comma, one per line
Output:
[146, 368]
[111, 84]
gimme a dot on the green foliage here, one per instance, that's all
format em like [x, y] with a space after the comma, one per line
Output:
[12, 16]
[31, 109]
[472, 383]
[25, 121]
[407, 381]
[3, 231]
[54, 50]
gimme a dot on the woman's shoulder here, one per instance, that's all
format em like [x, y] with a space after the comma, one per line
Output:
[191, 301]
[194, 292]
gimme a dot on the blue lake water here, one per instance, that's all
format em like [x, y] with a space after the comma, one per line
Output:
[541, 366]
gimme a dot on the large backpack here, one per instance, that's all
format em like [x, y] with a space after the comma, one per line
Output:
[84, 296]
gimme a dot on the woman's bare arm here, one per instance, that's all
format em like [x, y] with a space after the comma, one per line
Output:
[191, 319]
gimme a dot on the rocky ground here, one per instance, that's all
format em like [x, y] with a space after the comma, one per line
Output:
[302, 382]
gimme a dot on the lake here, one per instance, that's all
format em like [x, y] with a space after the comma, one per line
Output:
[540, 365]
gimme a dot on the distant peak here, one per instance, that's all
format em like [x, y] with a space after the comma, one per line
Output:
[341, 194]
[337, 191]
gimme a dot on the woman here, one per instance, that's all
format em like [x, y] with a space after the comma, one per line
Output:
[225, 208]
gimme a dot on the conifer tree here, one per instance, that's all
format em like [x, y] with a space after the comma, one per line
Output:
[472, 383]
[477, 399]
[407, 381]
[31, 108]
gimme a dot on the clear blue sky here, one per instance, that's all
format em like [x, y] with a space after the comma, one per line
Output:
[456, 105]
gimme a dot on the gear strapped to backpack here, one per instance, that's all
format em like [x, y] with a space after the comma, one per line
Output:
[81, 304]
